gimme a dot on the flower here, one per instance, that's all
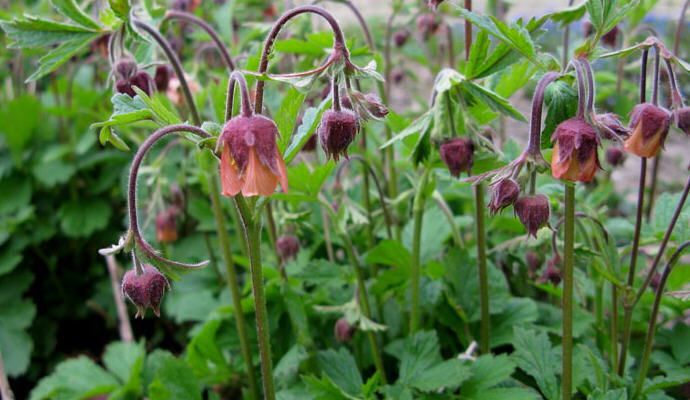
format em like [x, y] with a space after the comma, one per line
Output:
[649, 124]
[365, 105]
[575, 152]
[400, 37]
[427, 25]
[145, 290]
[611, 127]
[552, 273]
[458, 154]
[139, 79]
[615, 156]
[336, 131]
[343, 330]
[162, 77]
[166, 226]
[433, 4]
[287, 246]
[533, 212]
[683, 119]
[503, 194]
[250, 161]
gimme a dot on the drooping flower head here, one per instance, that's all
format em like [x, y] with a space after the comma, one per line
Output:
[458, 155]
[649, 124]
[128, 76]
[683, 119]
[145, 290]
[287, 246]
[533, 212]
[427, 25]
[343, 331]
[575, 151]
[338, 126]
[166, 225]
[503, 194]
[615, 156]
[400, 37]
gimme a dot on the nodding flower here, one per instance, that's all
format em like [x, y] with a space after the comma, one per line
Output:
[503, 194]
[649, 124]
[458, 155]
[533, 212]
[338, 126]
[683, 119]
[575, 151]
[145, 290]
[250, 161]
[166, 225]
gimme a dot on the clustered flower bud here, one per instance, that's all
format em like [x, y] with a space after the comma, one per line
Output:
[649, 124]
[427, 25]
[615, 156]
[503, 194]
[343, 330]
[288, 247]
[609, 39]
[683, 119]
[401, 37]
[533, 212]
[458, 155]
[128, 77]
[575, 151]
[250, 161]
[145, 290]
[162, 77]
[336, 131]
[166, 225]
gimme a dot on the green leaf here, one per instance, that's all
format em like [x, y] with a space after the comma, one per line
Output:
[78, 378]
[125, 360]
[420, 353]
[287, 114]
[486, 372]
[310, 120]
[71, 10]
[80, 218]
[38, 32]
[287, 369]
[420, 125]
[55, 58]
[16, 315]
[51, 173]
[535, 355]
[561, 100]
[325, 389]
[569, 15]
[390, 252]
[205, 357]
[21, 194]
[174, 379]
[477, 93]
[341, 368]
[106, 135]
[664, 209]
[616, 394]
[22, 111]
[448, 374]
[121, 8]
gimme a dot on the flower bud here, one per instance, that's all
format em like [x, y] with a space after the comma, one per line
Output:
[533, 212]
[503, 194]
[552, 273]
[125, 68]
[250, 161]
[683, 119]
[140, 79]
[343, 330]
[162, 77]
[397, 75]
[366, 106]
[649, 124]
[400, 37]
[145, 290]
[433, 4]
[615, 156]
[288, 247]
[458, 155]
[611, 127]
[177, 200]
[336, 131]
[427, 25]
[575, 151]
[610, 38]
[310, 145]
[533, 261]
[166, 226]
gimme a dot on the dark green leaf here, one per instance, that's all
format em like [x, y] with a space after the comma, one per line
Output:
[341, 368]
[535, 355]
[55, 58]
[78, 378]
[71, 10]
[173, 380]
[38, 32]
[80, 218]
[561, 100]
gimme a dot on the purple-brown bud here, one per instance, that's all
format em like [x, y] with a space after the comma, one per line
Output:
[400, 37]
[336, 131]
[287, 247]
[458, 155]
[610, 126]
[398, 75]
[343, 330]
[140, 79]
[533, 261]
[649, 124]
[503, 194]
[166, 225]
[683, 119]
[427, 25]
[552, 273]
[615, 156]
[608, 39]
[310, 145]
[365, 105]
[145, 290]
[575, 151]
[533, 212]
[125, 68]
[162, 77]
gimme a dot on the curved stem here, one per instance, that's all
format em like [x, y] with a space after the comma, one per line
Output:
[233, 285]
[360, 19]
[679, 28]
[651, 328]
[568, 261]
[655, 82]
[176, 65]
[479, 211]
[252, 232]
[468, 31]
[339, 45]
[534, 141]
[415, 272]
[591, 85]
[566, 39]
[335, 91]
[246, 107]
[184, 16]
[582, 96]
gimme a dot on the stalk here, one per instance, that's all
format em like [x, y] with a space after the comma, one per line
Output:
[233, 285]
[415, 272]
[566, 40]
[651, 328]
[5, 389]
[124, 325]
[568, 260]
[479, 206]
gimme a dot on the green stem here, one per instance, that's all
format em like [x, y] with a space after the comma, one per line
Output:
[614, 326]
[418, 212]
[226, 251]
[252, 232]
[568, 261]
[479, 210]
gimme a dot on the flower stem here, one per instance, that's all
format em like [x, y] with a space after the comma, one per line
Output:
[233, 285]
[484, 343]
[124, 326]
[5, 389]
[252, 232]
[651, 328]
[568, 261]
[468, 31]
[176, 65]
[415, 272]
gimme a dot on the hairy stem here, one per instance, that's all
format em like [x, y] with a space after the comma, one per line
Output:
[415, 273]
[5, 389]
[568, 261]
[360, 19]
[534, 141]
[124, 326]
[479, 214]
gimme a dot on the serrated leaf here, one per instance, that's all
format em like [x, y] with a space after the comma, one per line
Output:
[492, 99]
[341, 368]
[80, 218]
[78, 378]
[570, 14]
[535, 355]
[55, 58]
[120, 8]
[174, 379]
[310, 121]
[420, 352]
[205, 356]
[287, 114]
[449, 374]
[561, 101]
[71, 10]
[421, 124]
[39, 32]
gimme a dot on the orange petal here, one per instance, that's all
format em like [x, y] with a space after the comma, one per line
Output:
[258, 178]
[230, 179]
[283, 172]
